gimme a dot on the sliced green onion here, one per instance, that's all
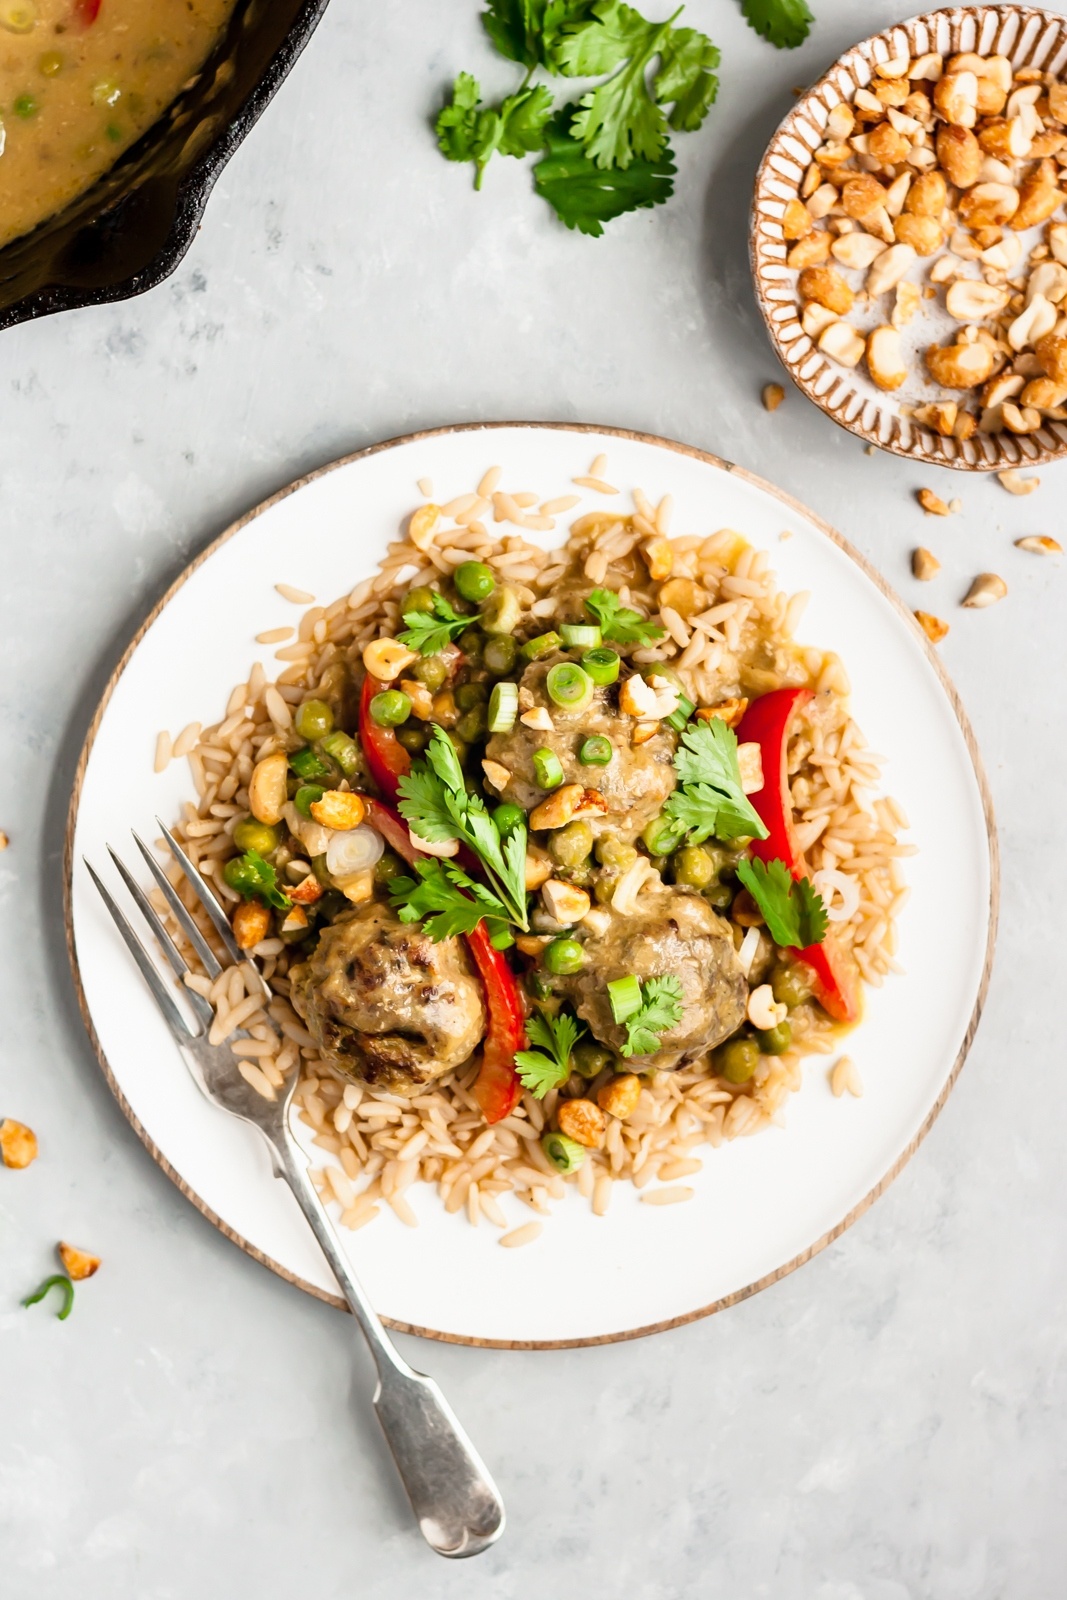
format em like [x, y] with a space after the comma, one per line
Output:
[547, 769]
[58, 1281]
[543, 645]
[568, 686]
[678, 719]
[503, 707]
[307, 763]
[501, 613]
[595, 752]
[625, 997]
[662, 835]
[602, 665]
[306, 796]
[566, 1155]
[345, 752]
[503, 939]
[581, 635]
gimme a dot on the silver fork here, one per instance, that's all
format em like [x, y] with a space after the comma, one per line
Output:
[456, 1503]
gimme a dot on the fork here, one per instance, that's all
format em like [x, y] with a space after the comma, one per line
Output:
[456, 1503]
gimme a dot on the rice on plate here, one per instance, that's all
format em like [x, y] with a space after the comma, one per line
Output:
[558, 863]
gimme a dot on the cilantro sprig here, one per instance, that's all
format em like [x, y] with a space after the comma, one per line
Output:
[448, 900]
[792, 908]
[429, 631]
[646, 1010]
[617, 622]
[585, 196]
[256, 879]
[710, 798]
[435, 802]
[468, 131]
[784, 23]
[549, 1066]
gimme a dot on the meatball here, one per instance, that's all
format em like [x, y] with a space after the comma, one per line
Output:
[636, 781]
[386, 1005]
[675, 933]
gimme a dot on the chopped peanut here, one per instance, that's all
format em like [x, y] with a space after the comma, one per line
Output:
[931, 503]
[563, 901]
[619, 1096]
[267, 788]
[750, 765]
[828, 288]
[1040, 544]
[386, 659]
[986, 590]
[773, 395]
[659, 555]
[924, 564]
[1015, 483]
[18, 1144]
[559, 808]
[941, 416]
[729, 711]
[797, 220]
[885, 361]
[809, 252]
[78, 1264]
[933, 627]
[295, 921]
[420, 697]
[251, 923]
[496, 775]
[306, 892]
[539, 867]
[338, 809]
[422, 525]
[583, 1121]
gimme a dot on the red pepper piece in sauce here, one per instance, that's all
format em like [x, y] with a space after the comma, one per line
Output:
[387, 759]
[767, 722]
[497, 1088]
[86, 12]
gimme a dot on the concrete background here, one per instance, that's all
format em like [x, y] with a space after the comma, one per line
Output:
[887, 1424]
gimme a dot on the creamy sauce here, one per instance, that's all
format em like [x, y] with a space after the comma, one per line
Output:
[80, 81]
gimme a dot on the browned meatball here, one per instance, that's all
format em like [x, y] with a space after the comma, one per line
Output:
[675, 933]
[386, 1005]
[635, 783]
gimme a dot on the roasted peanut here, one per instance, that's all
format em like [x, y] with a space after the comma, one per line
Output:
[924, 234]
[856, 250]
[828, 288]
[772, 396]
[888, 268]
[960, 366]
[1039, 544]
[940, 415]
[924, 564]
[338, 809]
[810, 251]
[251, 923]
[988, 205]
[796, 221]
[886, 146]
[986, 590]
[968, 300]
[927, 196]
[18, 1143]
[932, 503]
[78, 1264]
[267, 789]
[906, 302]
[583, 1121]
[1044, 394]
[619, 1096]
[862, 195]
[885, 361]
[1039, 197]
[933, 627]
[956, 97]
[960, 155]
[842, 343]
[1051, 351]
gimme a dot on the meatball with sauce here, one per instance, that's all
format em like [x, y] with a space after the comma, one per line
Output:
[675, 933]
[386, 1005]
[635, 782]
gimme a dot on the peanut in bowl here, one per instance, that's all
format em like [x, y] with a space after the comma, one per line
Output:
[909, 239]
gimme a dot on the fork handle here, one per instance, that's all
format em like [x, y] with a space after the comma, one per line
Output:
[456, 1503]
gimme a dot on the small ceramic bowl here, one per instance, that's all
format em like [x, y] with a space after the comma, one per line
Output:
[131, 229]
[1029, 38]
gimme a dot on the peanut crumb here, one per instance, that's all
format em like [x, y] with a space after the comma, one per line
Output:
[932, 504]
[1015, 483]
[1039, 544]
[773, 395]
[4, 840]
[18, 1144]
[924, 564]
[933, 627]
[986, 590]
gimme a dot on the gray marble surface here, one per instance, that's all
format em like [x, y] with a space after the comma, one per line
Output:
[888, 1423]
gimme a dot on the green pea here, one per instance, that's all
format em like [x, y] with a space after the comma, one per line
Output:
[790, 983]
[469, 695]
[596, 752]
[418, 599]
[473, 724]
[589, 1058]
[612, 852]
[500, 655]
[565, 1154]
[414, 737]
[720, 896]
[390, 708]
[693, 867]
[507, 818]
[775, 1041]
[502, 612]
[564, 956]
[472, 642]
[25, 106]
[252, 835]
[306, 796]
[314, 720]
[387, 867]
[604, 887]
[431, 671]
[661, 835]
[737, 1059]
[570, 846]
[474, 581]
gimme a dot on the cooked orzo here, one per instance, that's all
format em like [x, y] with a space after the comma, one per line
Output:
[558, 863]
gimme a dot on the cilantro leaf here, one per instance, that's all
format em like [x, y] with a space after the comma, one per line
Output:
[792, 908]
[711, 799]
[548, 1067]
[601, 41]
[687, 77]
[785, 23]
[468, 131]
[436, 897]
[661, 1008]
[617, 622]
[256, 879]
[583, 195]
[429, 632]
[526, 31]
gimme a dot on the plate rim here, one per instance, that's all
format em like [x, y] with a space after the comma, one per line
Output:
[865, 566]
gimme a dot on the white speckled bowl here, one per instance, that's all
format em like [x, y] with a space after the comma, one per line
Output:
[1029, 38]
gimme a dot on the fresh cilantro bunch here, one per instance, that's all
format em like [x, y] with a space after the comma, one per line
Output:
[429, 632]
[618, 624]
[792, 908]
[435, 803]
[710, 798]
[607, 152]
[546, 1068]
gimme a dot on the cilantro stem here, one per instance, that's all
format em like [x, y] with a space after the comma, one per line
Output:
[58, 1281]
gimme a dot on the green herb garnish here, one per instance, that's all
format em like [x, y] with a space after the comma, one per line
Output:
[711, 799]
[792, 908]
[617, 622]
[468, 131]
[435, 803]
[59, 1280]
[585, 196]
[645, 1010]
[448, 900]
[784, 23]
[429, 632]
[256, 879]
[549, 1066]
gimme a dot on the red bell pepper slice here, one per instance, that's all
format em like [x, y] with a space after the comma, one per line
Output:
[387, 759]
[497, 1088]
[767, 723]
[86, 12]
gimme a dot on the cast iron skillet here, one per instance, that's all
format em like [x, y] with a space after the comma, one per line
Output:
[131, 229]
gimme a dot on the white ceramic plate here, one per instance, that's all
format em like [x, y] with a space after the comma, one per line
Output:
[762, 1205]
